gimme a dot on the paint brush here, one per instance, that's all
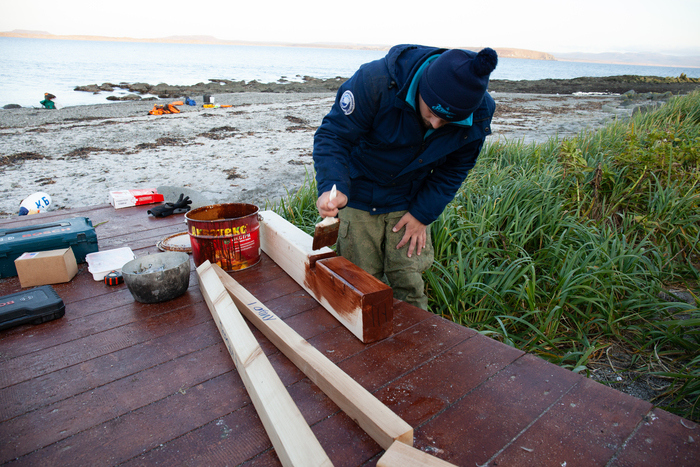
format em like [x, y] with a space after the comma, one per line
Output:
[326, 233]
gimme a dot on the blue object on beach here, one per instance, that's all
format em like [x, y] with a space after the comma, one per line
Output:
[189, 101]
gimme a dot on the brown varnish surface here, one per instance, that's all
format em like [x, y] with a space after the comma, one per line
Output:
[353, 294]
[116, 382]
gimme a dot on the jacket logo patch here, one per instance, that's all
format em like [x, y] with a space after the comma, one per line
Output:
[347, 102]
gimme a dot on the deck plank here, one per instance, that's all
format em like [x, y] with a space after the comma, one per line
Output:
[436, 384]
[585, 427]
[661, 436]
[111, 401]
[496, 411]
[119, 382]
[55, 386]
[73, 328]
[23, 367]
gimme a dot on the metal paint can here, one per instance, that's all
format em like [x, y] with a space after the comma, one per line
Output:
[225, 234]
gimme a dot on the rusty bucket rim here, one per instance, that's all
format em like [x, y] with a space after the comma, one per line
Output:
[201, 208]
[210, 237]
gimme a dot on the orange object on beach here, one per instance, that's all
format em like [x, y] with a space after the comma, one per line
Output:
[164, 109]
[178, 103]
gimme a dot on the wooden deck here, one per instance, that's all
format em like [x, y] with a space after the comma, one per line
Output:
[117, 382]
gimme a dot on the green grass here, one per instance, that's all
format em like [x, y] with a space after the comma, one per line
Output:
[565, 248]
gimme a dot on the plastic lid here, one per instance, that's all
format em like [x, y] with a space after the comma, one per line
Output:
[101, 262]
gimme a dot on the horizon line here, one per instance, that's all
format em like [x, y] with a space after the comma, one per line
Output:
[504, 52]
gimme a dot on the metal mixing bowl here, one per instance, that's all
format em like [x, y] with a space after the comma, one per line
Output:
[158, 277]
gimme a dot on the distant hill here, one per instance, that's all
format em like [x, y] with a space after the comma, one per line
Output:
[23, 32]
[205, 39]
[650, 59]
[503, 52]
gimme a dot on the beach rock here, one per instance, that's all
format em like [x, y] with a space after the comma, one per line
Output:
[609, 84]
[632, 103]
[12, 106]
[631, 86]
[128, 97]
[93, 88]
[142, 88]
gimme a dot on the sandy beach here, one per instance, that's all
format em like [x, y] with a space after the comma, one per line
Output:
[252, 152]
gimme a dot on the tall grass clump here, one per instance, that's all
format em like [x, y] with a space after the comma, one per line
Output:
[299, 207]
[570, 247]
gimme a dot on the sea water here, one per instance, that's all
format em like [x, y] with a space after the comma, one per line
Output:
[31, 67]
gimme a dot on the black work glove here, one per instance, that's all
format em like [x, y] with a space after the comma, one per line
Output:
[180, 206]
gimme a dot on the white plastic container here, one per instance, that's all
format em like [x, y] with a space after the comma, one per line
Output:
[101, 263]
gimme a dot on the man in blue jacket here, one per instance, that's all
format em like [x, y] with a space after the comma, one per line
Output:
[399, 141]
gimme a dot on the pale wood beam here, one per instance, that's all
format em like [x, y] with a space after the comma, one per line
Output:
[375, 418]
[294, 442]
[402, 455]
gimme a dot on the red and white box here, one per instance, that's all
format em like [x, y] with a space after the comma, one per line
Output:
[128, 198]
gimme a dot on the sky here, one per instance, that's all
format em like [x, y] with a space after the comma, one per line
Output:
[594, 26]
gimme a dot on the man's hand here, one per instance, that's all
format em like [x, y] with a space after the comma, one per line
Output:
[415, 233]
[329, 208]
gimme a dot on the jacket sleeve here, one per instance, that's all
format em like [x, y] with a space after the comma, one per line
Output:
[441, 186]
[351, 116]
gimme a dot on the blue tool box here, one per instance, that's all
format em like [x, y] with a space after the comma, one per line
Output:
[77, 232]
[35, 306]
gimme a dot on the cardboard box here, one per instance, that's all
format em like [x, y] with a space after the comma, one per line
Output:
[46, 267]
[128, 198]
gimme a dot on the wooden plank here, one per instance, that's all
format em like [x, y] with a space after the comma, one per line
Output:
[108, 404]
[559, 435]
[154, 426]
[401, 455]
[473, 429]
[75, 352]
[383, 425]
[362, 303]
[294, 442]
[662, 439]
[49, 388]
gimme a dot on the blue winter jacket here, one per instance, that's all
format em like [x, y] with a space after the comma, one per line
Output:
[373, 147]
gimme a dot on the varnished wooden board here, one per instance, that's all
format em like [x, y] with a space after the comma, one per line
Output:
[362, 303]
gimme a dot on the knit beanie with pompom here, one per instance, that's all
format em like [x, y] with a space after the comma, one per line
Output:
[453, 85]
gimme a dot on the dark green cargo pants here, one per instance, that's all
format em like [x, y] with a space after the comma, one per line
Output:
[369, 242]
